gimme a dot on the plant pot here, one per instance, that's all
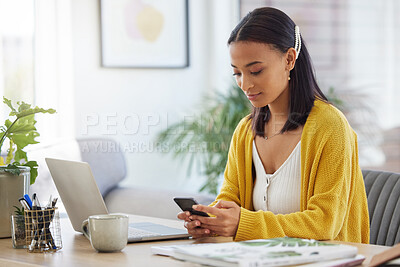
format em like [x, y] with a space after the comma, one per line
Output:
[18, 231]
[12, 188]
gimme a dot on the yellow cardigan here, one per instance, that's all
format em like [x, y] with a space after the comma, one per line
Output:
[333, 203]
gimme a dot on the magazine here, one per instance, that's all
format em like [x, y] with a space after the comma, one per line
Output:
[265, 252]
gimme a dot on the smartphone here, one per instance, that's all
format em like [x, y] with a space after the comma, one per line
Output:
[186, 205]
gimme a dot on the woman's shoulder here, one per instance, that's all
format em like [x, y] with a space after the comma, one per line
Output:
[243, 128]
[244, 123]
[326, 122]
[325, 115]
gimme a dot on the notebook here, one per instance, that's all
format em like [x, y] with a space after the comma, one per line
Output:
[81, 197]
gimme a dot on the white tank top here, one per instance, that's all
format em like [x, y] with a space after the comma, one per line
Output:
[278, 192]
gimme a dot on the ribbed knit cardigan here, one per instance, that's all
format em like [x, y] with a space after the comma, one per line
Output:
[333, 203]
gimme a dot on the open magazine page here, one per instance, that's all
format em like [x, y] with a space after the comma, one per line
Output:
[263, 252]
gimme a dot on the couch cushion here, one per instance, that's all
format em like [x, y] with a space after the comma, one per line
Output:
[106, 161]
[149, 202]
[383, 192]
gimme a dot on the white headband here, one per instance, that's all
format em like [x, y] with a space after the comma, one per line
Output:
[297, 43]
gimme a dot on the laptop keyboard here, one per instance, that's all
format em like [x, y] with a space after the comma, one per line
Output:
[149, 231]
[137, 233]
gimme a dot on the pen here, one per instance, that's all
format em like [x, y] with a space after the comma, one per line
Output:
[37, 220]
[28, 200]
[28, 214]
[34, 223]
[49, 203]
[24, 203]
[37, 200]
[48, 217]
[53, 203]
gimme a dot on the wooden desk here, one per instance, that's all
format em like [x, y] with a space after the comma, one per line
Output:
[77, 250]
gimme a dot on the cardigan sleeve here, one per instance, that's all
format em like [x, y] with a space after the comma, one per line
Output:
[329, 193]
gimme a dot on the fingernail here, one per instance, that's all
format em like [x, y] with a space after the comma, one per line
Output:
[198, 223]
[207, 231]
[194, 206]
[191, 217]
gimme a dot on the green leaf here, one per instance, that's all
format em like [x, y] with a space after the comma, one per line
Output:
[34, 172]
[7, 123]
[22, 140]
[8, 103]
[19, 155]
[23, 125]
[23, 106]
[18, 210]
[25, 111]
[21, 132]
[11, 168]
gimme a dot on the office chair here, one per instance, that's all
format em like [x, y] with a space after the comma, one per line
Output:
[383, 193]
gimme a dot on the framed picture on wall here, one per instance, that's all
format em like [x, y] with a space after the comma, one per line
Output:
[144, 33]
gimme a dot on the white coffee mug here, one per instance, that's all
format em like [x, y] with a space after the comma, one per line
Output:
[108, 232]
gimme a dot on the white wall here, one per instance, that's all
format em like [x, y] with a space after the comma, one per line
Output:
[110, 102]
[373, 56]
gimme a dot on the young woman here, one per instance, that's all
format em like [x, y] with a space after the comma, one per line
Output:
[292, 167]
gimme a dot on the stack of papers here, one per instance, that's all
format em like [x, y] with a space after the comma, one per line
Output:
[265, 252]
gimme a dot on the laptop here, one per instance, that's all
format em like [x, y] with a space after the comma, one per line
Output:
[82, 198]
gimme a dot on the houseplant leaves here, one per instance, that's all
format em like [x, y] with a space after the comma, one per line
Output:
[21, 132]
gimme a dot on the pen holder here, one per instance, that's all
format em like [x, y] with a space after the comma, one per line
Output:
[42, 230]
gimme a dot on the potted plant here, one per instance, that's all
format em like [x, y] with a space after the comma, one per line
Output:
[15, 168]
[206, 137]
[18, 228]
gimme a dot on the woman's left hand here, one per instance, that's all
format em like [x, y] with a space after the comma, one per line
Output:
[226, 220]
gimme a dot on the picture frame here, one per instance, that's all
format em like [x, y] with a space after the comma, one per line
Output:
[144, 33]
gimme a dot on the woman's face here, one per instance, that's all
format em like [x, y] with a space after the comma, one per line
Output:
[261, 71]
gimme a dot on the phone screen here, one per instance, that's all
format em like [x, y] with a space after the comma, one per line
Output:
[186, 205]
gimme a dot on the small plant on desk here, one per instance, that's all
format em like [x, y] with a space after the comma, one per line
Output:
[21, 132]
[18, 228]
[15, 176]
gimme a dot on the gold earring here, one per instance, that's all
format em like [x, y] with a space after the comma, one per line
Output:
[288, 78]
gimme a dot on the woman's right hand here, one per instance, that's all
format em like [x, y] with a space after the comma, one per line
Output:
[193, 226]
